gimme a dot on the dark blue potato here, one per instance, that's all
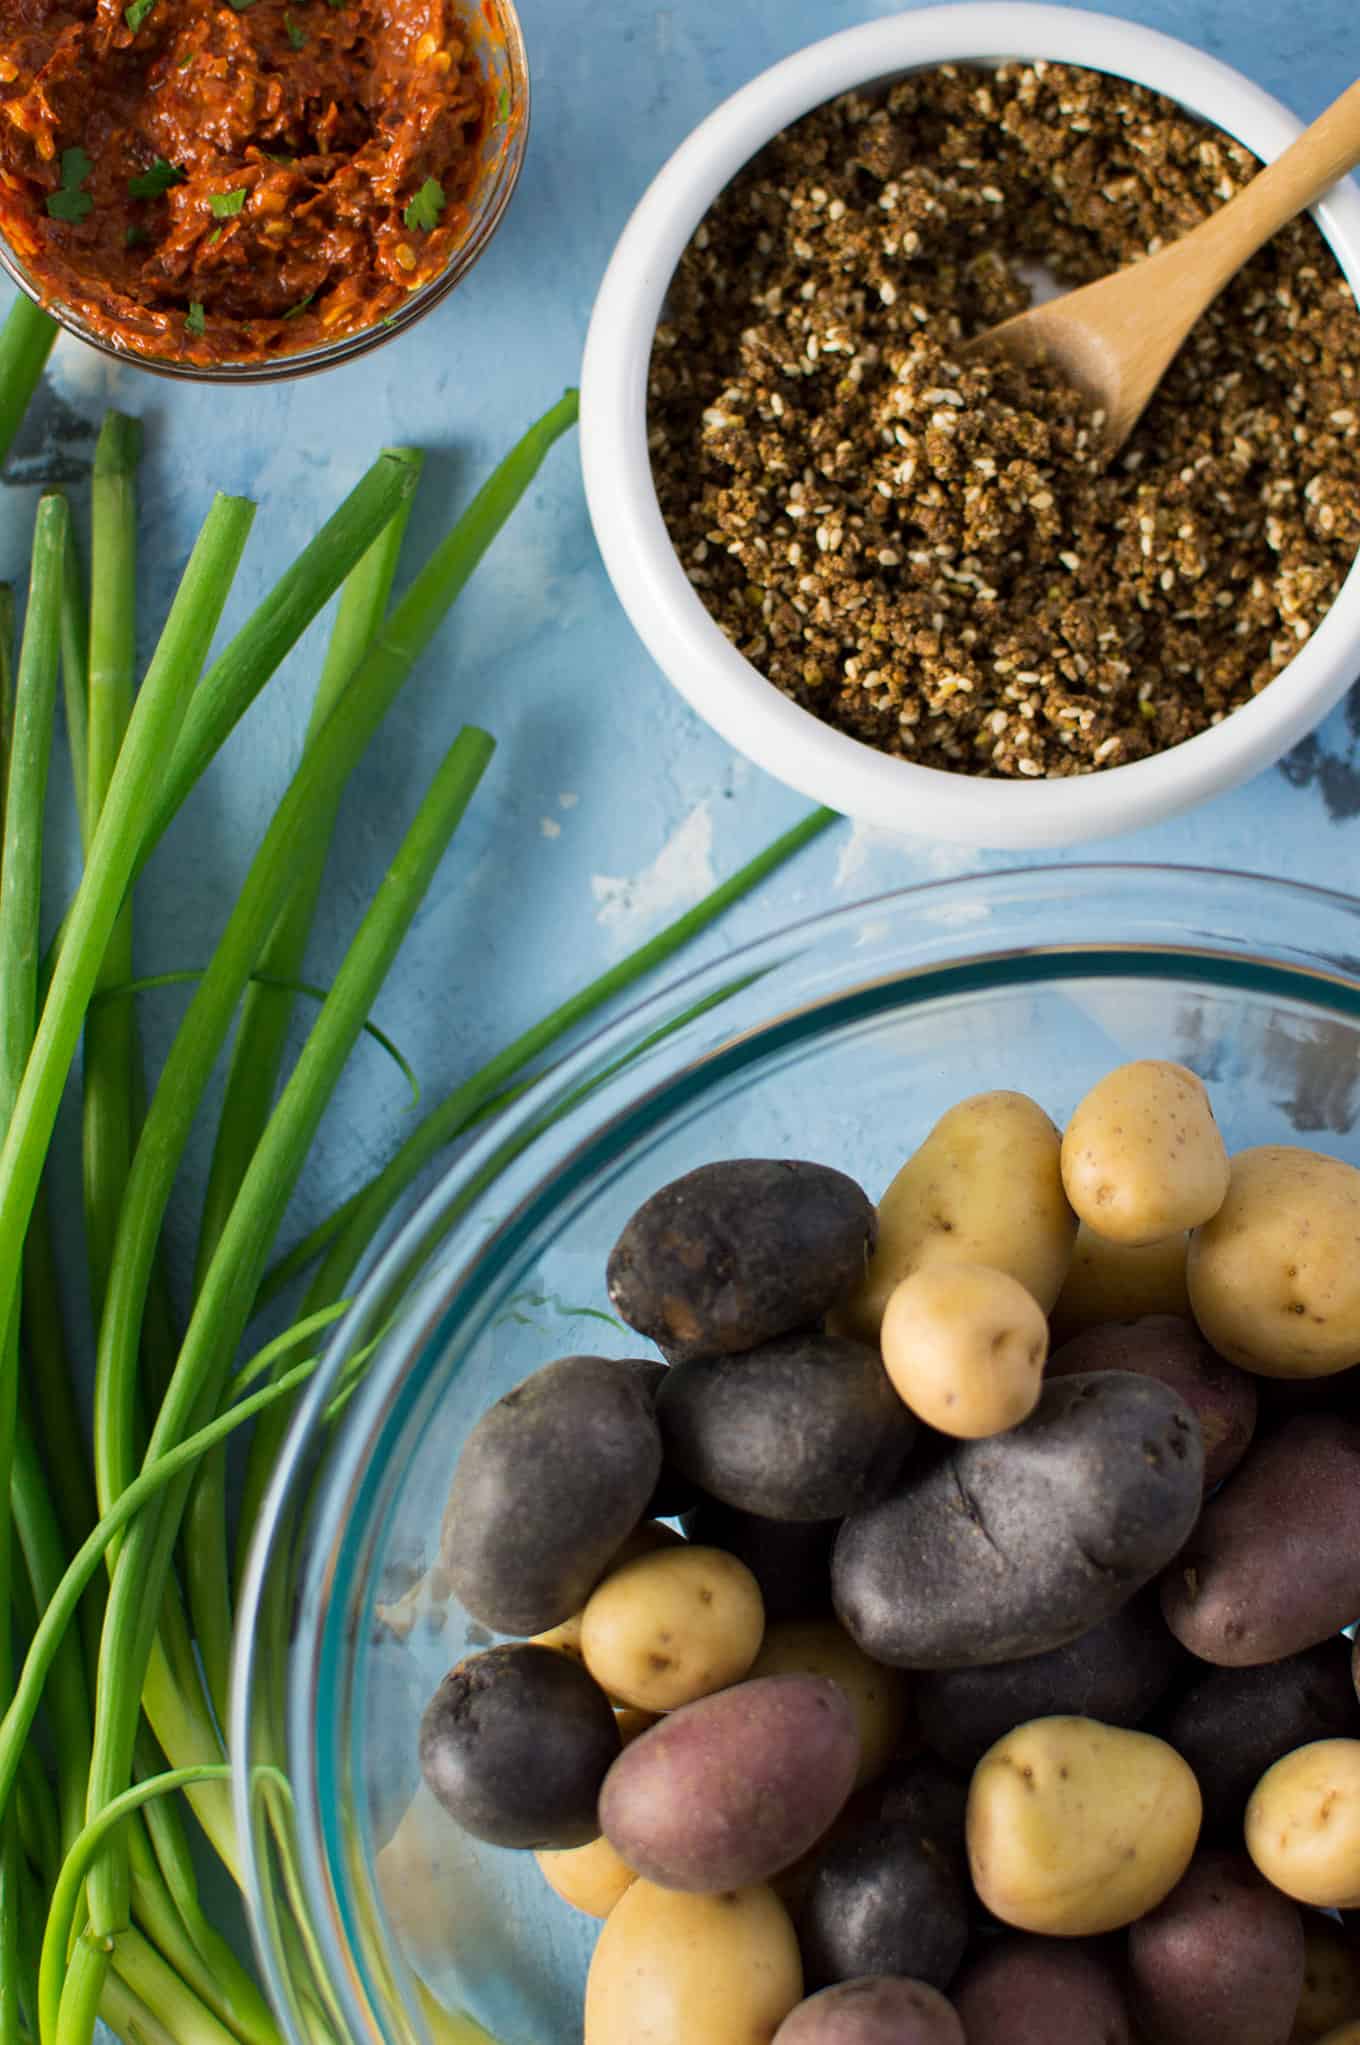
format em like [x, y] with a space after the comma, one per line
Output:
[736, 1253]
[805, 1428]
[1041, 1991]
[1117, 1672]
[1221, 1961]
[882, 2010]
[552, 1479]
[1234, 1724]
[515, 1743]
[998, 1549]
[922, 1793]
[883, 1900]
[1166, 1346]
[790, 1560]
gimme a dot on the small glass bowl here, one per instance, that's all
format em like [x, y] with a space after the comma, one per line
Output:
[500, 42]
[843, 1040]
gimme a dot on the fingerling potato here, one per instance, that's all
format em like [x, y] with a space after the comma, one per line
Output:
[1041, 1991]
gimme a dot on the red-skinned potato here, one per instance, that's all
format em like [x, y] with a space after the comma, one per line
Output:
[878, 2009]
[728, 1791]
[1273, 1565]
[1220, 1962]
[1172, 1350]
[1041, 1991]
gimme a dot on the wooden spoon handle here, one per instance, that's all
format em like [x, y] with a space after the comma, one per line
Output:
[1294, 181]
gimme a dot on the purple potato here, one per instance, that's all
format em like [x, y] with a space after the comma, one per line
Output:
[805, 1428]
[736, 1253]
[515, 1744]
[552, 1479]
[1117, 1672]
[884, 1900]
[1231, 1725]
[997, 1549]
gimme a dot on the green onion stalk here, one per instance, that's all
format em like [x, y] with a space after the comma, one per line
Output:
[115, 1595]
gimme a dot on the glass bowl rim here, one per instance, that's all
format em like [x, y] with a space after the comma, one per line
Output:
[500, 188]
[452, 1271]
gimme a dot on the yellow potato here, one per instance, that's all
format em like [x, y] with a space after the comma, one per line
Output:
[878, 1696]
[1303, 1824]
[677, 1969]
[1142, 1157]
[984, 1188]
[644, 1540]
[592, 1878]
[1121, 1282]
[1077, 1828]
[1331, 1981]
[965, 1348]
[1275, 1276]
[673, 1627]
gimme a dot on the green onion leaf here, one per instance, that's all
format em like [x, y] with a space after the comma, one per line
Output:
[295, 34]
[226, 205]
[301, 306]
[214, 237]
[425, 209]
[136, 237]
[195, 320]
[136, 14]
[503, 106]
[152, 183]
[69, 205]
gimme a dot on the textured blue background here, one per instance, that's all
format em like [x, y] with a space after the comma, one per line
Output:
[609, 806]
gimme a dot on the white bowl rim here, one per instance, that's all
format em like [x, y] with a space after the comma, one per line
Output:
[719, 683]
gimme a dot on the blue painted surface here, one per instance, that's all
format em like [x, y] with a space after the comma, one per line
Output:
[609, 805]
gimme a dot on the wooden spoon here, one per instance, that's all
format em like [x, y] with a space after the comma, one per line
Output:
[1114, 340]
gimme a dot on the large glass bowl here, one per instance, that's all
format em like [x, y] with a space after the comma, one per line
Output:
[842, 1040]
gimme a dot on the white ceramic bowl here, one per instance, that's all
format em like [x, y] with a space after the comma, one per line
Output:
[669, 615]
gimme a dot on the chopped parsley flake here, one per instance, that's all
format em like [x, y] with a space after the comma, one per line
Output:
[301, 306]
[152, 183]
[70, 203]
[425, 209]
[295, 34]
[136, 14]
[214, 237]
[226, 205]
[503, 106]
[195, 319]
